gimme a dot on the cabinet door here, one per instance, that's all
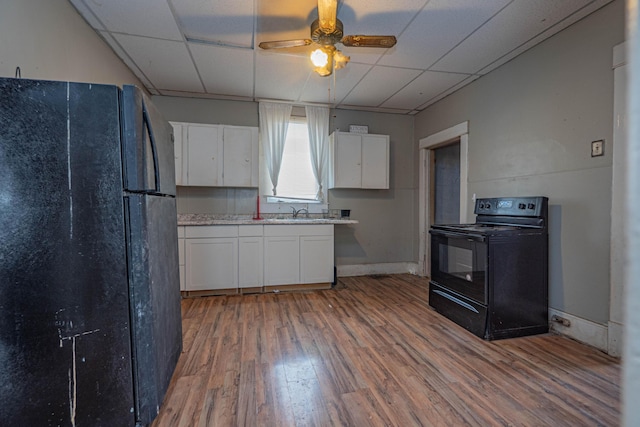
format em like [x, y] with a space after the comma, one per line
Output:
[240, 156]
[250, 250]
[347, 160]
[282, 260]
[316, 259]
[375, 161]
[204, 155]
[179, 134]
[211, 263]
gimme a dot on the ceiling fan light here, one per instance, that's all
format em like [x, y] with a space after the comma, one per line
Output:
[340, 60]
[327, 15]
[319, 57]
[322, 59]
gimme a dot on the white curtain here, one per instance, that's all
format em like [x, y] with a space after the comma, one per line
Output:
[318, 127]
[274, 122]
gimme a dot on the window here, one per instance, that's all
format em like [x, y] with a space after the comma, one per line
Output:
[296, 179]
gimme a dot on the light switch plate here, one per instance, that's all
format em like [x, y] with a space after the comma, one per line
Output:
[597, 148]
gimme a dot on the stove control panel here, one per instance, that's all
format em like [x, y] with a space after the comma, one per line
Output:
[512, 206]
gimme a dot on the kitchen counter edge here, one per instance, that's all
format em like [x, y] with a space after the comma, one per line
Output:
[264, 221]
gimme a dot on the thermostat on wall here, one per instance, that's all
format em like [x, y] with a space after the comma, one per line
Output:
[358, 129]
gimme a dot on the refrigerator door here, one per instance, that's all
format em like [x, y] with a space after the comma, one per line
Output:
[65, 349]
[148, 153]
[154, 287]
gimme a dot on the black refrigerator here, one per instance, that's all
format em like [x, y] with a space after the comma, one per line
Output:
[90, 325]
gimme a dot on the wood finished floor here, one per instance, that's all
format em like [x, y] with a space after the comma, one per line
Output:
[372, 352]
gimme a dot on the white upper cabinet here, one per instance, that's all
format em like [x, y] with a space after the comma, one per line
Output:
[240, 164]
[375, 161]
[179, 134]
[358, 160]
[204, 155]
[216, 155]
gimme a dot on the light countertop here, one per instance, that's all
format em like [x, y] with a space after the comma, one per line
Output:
[212, 219]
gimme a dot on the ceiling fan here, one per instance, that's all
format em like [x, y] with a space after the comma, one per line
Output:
[327, 31]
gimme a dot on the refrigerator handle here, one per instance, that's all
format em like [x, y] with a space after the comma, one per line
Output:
[152, 142]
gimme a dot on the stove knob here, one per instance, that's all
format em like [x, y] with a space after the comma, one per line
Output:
[521, 206]
[488, 206]
[531, 206]
[481, 205]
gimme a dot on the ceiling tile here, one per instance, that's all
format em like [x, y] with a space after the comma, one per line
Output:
[519, 22]
[285, 19]
[371, 92]
[126, 59]
[150, 18]
[448, 92]
[462, 37]
[224, 71]
[332, 89]
[167, 64]
[427, 86]
[382, 17]
[225, 22]
[439, 27]
[559, 26]
[280, 76]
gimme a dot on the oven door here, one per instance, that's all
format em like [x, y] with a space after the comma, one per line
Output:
[459, 263]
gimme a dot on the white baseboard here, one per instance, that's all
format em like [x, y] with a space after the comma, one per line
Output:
[582, 330]
[615, 334]
[385, 268]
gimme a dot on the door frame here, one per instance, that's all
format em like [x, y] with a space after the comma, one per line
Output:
[426, 146]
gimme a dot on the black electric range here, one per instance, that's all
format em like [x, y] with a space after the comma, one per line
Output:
[491, 277]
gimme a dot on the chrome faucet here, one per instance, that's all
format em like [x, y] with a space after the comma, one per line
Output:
[296, 212]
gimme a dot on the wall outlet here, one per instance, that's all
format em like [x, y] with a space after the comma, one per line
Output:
[597, 148]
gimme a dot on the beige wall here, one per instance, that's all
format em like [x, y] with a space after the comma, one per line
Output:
[49, 40]
[531, 123]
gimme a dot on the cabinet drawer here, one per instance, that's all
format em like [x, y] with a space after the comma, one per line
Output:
[250, 230]
[203, 231]
[299, 230]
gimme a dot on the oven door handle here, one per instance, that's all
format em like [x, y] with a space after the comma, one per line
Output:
[453, 235]
[456, 300]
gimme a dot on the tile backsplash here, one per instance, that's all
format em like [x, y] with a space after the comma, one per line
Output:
[216, 200]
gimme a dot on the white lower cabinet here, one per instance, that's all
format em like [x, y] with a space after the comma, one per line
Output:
[211, 257]
[181, 257]
[316, 258]
[282, 260]
[298, 254]
[231, 257]
[250, 256]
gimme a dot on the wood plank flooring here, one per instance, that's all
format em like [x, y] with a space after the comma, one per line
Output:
[371, 352]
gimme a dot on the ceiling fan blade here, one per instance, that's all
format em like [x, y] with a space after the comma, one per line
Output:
[369, 41]
[327, 15]
[284, 43]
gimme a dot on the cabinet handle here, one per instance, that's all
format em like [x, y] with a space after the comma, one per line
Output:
[246, 160]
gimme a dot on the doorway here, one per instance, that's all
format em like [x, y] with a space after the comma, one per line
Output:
[446, 184]
[458, 134]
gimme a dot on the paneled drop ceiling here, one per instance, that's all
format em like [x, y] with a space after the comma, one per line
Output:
[209, 48]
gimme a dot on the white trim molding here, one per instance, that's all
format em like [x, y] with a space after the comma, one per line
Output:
[457, 132]
[583, 330]
[383, 268]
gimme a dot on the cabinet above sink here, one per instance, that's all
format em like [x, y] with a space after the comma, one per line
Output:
[216, 155]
